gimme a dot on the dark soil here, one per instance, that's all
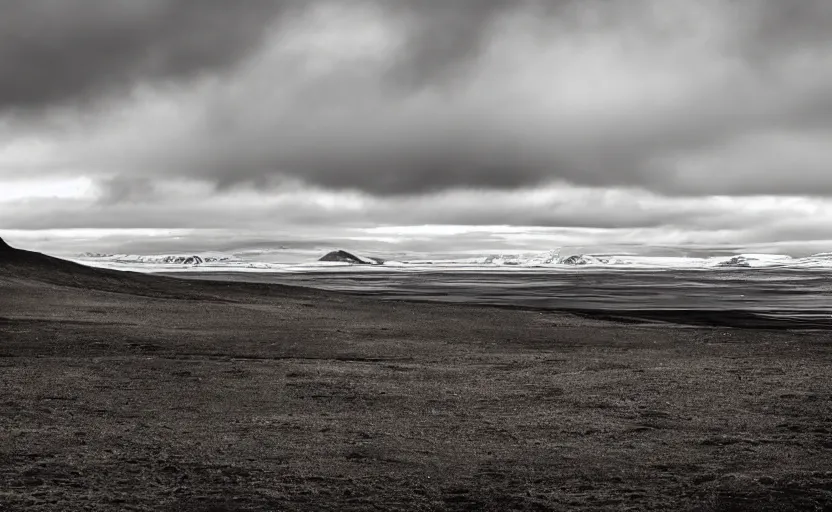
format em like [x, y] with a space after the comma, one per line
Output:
[129, 392]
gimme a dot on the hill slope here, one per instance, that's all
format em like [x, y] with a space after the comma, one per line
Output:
[28, 267]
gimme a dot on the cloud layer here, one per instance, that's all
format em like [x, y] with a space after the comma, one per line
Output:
[171, 106]
[54, 52]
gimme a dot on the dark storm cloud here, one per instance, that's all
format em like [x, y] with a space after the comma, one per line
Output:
[125, 189]
[58, 51]
[55, 51]
[444, 38]
[451, 119]
[779, 28]
[478, 94]
[396, 160]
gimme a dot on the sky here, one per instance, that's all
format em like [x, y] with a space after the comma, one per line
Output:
[150, 126]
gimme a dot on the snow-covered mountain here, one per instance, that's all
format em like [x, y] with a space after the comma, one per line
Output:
[159, 259]
[756, 260]
[341, 260]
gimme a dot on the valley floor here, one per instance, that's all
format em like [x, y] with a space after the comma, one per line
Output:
[231, 397]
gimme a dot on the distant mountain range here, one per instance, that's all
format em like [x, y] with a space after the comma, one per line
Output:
[542, 259]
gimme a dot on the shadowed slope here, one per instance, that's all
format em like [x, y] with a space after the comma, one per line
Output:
[34, 267]
[19, 264]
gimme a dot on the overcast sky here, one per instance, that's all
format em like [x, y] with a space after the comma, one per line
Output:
[167, 125]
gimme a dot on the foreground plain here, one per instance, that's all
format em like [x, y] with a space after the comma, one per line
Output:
[128, 392]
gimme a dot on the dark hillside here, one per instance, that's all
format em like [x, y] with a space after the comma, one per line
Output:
[33, 267]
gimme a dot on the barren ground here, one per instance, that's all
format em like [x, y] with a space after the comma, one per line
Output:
[134, 393]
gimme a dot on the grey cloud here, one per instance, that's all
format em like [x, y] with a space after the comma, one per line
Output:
[781, 28]
[397, 153]
[127, 189]
[444, 38]
[567, 208]
[342, 126]
[60, 51]
[345, 129]
[404, 160]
